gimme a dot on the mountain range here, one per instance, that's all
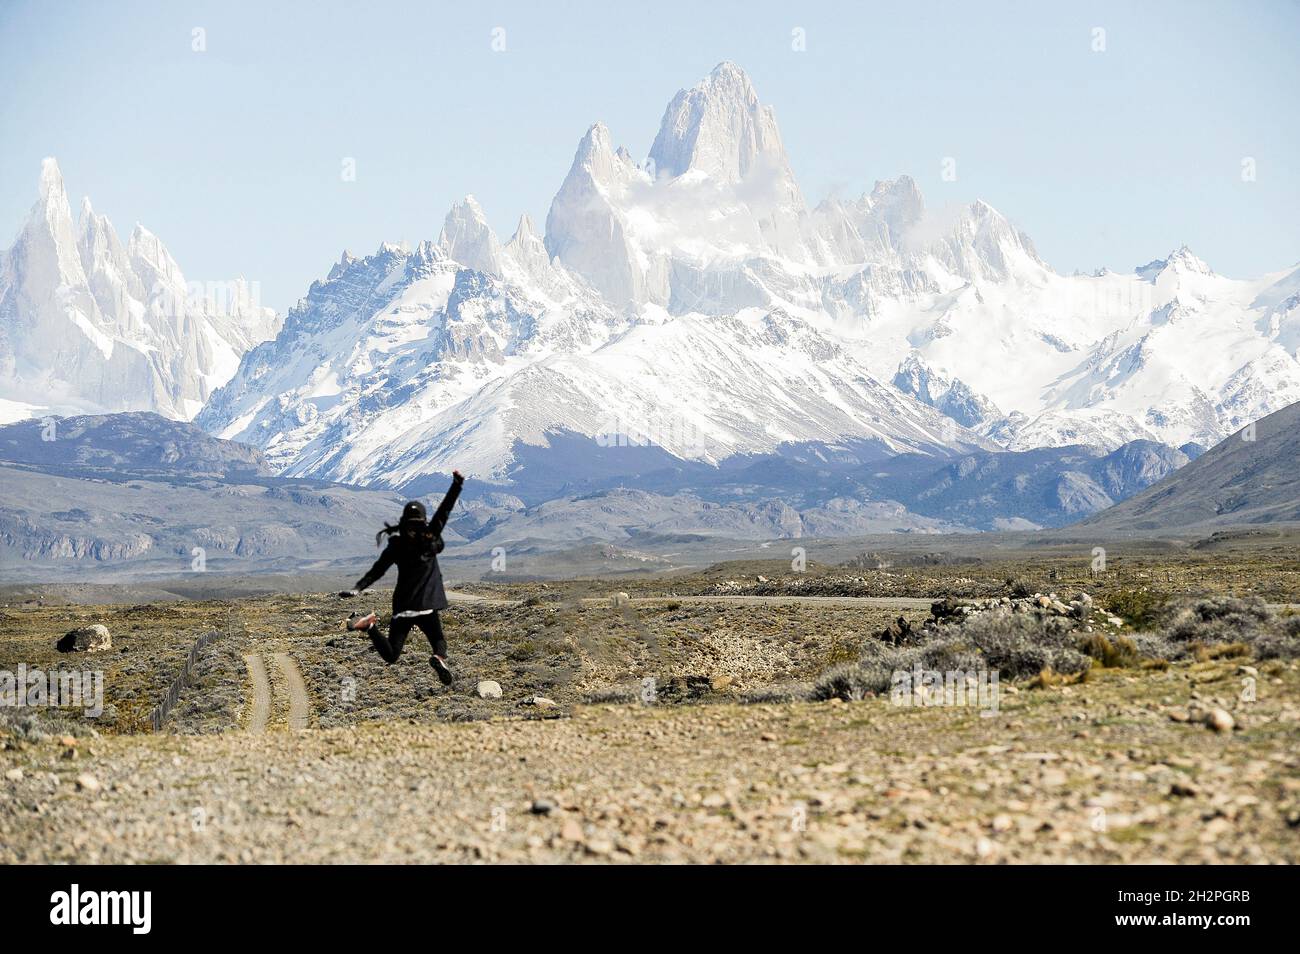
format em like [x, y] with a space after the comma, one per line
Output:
[91, 325]
[1249, 479]
[136, 495]
[695, 302]
[689, 345]
[131, 496]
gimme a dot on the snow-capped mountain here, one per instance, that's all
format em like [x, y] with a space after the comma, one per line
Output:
[696, 302]
[1172, 352]
[88, 324]
[403, 364]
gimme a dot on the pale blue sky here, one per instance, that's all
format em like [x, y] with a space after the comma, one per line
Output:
[233, 156]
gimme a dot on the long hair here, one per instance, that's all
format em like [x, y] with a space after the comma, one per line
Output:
[414, 530]
[388, 531]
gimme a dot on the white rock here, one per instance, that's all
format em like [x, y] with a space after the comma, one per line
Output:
[489, 689]
[1220, 720]
[90, 639]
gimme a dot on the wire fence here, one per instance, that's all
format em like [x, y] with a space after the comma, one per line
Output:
[173, 695]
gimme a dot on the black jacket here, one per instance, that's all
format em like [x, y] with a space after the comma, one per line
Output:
[419, 581]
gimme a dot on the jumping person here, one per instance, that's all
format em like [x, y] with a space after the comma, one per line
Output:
[414, 545]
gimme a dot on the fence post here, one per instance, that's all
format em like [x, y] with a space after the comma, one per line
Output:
[173, 693]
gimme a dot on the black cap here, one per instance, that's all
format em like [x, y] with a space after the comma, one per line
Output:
[414, 511]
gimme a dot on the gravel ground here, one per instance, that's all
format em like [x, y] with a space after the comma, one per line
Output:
[1110, 770]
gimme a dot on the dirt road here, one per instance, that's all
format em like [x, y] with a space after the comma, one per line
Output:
[833, 602]
[1098, 772]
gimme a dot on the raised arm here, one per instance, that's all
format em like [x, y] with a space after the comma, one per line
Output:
[440, 516]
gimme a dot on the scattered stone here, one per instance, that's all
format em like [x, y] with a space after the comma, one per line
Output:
[619, 599]
[541, 702]
[542, 806]
[1220, 720]
[489, 689]
[571, 830]
[87, 783]
[14, 775]
[86, 639]
[1183, 790]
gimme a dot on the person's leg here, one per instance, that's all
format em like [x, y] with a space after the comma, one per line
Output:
[431, 626]
[390, 647]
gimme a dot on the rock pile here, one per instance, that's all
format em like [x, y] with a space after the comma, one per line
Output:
[1077, 613]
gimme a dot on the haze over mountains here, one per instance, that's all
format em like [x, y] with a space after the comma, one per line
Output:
[130, 496]
[134, 495]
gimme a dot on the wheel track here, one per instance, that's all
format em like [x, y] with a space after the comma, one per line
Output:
[260, 712]
[266, 692]
[299, 705]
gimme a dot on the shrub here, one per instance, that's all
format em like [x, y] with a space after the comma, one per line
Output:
[1019, 646]
[1140, 608]
[613, 695]
[870, 675]
[1217, 619]
[786, 692]
[1122, 653]
[1156, 647]
[1224, 626]
[1015, 644]
[524, 650]
[1017, 587]
[842, 651]
[1051, 651]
